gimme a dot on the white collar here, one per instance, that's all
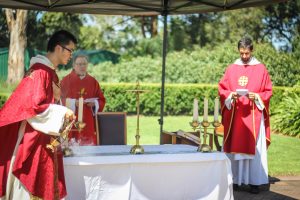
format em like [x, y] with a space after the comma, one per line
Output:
[252, 61]
[82, 76]
[43, 60]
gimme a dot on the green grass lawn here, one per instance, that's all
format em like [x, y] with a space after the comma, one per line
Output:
[283, 153]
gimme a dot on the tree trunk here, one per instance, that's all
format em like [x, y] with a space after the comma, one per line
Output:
[143, 24]
[153, 26]
[16, 21]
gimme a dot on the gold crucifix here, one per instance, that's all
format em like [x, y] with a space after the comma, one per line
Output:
[82, 92]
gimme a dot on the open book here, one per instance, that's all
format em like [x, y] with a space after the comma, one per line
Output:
[242, 92]
[189, 136]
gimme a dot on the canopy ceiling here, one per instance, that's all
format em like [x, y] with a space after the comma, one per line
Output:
[133, 7]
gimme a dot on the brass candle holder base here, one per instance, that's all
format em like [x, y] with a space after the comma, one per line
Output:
[205, 148]
[137, 149]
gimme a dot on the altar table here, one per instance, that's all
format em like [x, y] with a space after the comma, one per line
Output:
[175, 172]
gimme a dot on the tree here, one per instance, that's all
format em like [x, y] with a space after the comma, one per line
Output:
[195, 28]
[177, 34]
[118, 33]
[238, 23]
[4, 34]
[283, 23]
[148, 25]
[16, 22]
[36, 31]
[90, 38]
[43, 24]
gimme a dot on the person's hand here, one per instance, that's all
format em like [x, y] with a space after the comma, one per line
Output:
[252, 96]
[234, 95]
[90, 104]
[70, 115]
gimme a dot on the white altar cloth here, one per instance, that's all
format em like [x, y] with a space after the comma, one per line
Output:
[164, 172]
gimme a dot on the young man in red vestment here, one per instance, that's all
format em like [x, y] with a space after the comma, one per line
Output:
[29, 121]
[245, 91]
[79, 81]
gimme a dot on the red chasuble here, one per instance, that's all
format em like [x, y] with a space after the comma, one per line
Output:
[34, 163]
[242, 121]
[71, 85]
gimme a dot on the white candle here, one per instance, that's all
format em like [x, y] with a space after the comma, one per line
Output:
[205, 115]
[68, 103]
[80, 109]
[216, 113]
[195, 111]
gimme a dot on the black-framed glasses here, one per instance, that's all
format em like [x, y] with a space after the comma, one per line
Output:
[69, 50]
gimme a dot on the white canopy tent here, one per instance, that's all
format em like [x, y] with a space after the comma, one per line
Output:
[137, 7]
[133, 7]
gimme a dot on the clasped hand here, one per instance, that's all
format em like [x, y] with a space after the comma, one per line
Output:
[251, 95]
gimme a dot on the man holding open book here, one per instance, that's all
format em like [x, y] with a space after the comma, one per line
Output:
[245, 91]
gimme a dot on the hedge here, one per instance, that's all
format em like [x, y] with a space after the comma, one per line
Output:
[178, 98]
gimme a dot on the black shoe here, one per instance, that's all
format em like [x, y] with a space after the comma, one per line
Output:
[235, 187]
[254, 189]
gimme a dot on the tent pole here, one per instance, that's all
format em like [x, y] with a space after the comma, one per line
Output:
[164, 54]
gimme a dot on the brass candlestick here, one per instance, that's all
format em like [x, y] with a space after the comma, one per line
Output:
[79, 126]
[216, 124]
[137, 148]
[194, 124]
[204, 147]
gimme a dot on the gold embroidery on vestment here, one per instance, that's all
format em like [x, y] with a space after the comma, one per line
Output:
[243, 80]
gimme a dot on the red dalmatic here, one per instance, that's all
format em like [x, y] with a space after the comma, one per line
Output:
[242, 121]
[71, 85]
[34, 163]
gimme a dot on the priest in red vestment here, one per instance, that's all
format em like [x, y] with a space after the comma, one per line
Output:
[77, 83]
[29, 120]
[245, 91]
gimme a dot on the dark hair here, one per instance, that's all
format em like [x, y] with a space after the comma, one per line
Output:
[61, 37]
[246, 43]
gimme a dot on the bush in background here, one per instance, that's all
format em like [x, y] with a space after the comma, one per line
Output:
[202, 65]
[286, 117]
[178, 97]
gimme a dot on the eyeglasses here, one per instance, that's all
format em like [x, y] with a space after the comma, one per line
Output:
[69, 50]
[81, 64]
